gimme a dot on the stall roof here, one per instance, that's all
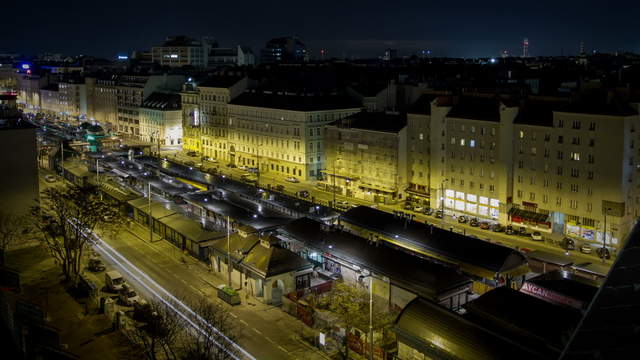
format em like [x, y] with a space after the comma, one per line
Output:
[542, 325]
[442, 334]
[158, 210]
[272, 261]
[593, 268]
[550, 258]
[190, 228]
[117, 192]
[434, 241]
[238, 244]
[404, 270]
[565, 283]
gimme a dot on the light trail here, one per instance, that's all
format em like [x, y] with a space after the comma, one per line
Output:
[106, 249]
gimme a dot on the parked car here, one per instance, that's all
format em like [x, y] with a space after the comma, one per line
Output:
[497, 228]
[536, 236]
[603, 253]
[509, 230]
[418, 208]
[474, 222]
[408, 206]
[128, 296]
[303, 194]
[428, 211]
[192, 153]
[462, 219]
[279, 188]
[190, 163]
[212, 160]
[439, 214]
[585, 249]
[568, 243]
[342, 205]
[485, 225]
[230, 165]
[253, 170]
[248, 178]
[243, 167]
[113, 280]
[50, 178]
[292, 179]
[96, 265]
[523, 232]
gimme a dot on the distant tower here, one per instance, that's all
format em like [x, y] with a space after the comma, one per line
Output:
[525, 48]
[505, 53]
[582, 49]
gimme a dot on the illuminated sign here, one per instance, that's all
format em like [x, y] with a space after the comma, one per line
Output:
[173, 56]
[550, 296]
[123, 57]
[26, 66]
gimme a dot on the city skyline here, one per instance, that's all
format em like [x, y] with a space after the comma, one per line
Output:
[469, 29]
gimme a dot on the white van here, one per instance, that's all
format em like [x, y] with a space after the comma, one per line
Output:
[113, 280]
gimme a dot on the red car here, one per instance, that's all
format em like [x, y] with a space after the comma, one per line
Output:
[485, 226]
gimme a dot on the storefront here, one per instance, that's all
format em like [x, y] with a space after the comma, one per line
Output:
[472, 204]
[532, 219]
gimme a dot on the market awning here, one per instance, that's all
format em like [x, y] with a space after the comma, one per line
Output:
[526, 215]
[120, 173]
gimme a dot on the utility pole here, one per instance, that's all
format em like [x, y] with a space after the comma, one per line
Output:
[442, 203]
[604, 238]
[150, 216]
[334, 183]
[371, 317]
[228, 251]
[62, 159]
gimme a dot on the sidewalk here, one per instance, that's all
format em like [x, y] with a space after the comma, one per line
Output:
[257, 321]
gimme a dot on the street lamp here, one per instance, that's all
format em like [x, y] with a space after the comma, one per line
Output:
[604, 237]
[442, 200]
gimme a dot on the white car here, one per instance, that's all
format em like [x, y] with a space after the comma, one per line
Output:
[128, 296]
[292, 179]
[536, 236]
[50, 178]
[418, 208]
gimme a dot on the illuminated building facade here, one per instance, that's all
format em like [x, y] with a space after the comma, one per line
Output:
[281, 133]
[574, 163]
[73, 97]
[190, 116]
[161, 119]
[366, 157]
[102, 100]
[50, 99]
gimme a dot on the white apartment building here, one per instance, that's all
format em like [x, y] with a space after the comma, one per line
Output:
[283, 133]
[161, 119]
[73, 97]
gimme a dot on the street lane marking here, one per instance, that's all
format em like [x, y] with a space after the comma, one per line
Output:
[256, 330]
[244, 322]
[283, 349]
[269, 339]
[234, 315]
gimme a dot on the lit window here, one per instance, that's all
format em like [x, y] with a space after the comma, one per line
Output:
[521, 134]
[461, 142]
[472, 143]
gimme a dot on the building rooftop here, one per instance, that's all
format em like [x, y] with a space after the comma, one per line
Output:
[218, 81]
[538, 112]
[599, 102]
[422, 105]
[162, 101]
[374, 121]
[273, 260]
[435, 242]
[442, 334]
[609, 328]
[412, 273]
[476, 108]
[295, 102]
[565, 283]
[542, 325]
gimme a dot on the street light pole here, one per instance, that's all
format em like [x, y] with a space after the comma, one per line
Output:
[371, 317]
[228, 251]
[334, 183]
[150, 216]
[62, 159]
[604, 237]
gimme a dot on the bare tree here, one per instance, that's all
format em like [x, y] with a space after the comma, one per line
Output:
[159, 332]
[66, 217]
[12, 227]
[214, 340]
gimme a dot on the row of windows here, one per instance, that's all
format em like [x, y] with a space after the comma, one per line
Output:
[472, 129]
[573, 204]
[576, 125]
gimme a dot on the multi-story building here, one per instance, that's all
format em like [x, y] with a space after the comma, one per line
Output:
[19, 165]
[235, 56]
[133, 90]
[419, 150]
[366, 156]
[282, 133]
[205, 114]
[575, 168]
[472, 171]
[102, 100]
[161, 119]
[284, 50]
[73, 96]
[28, 85]
[50, 100]
[178, 51]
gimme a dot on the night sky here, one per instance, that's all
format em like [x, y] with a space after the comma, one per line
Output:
[351, 28]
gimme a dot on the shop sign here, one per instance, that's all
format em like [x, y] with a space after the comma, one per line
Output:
[551, 296]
